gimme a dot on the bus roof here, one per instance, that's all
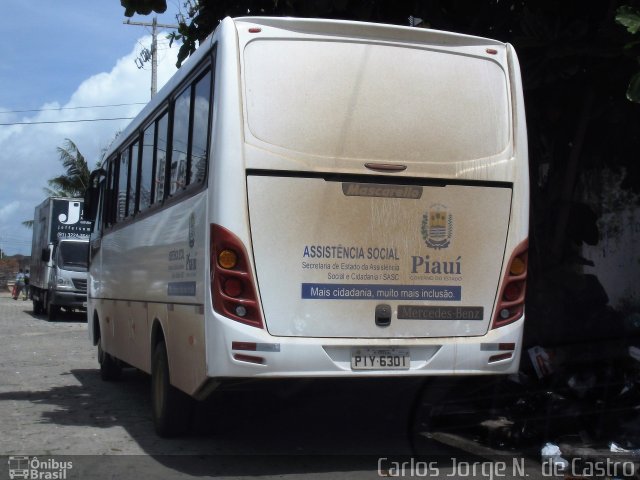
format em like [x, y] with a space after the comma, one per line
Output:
[368, 30]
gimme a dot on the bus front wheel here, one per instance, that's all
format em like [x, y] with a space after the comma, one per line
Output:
[172, 408]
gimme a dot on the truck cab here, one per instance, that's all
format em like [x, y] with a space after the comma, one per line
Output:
[67, 276]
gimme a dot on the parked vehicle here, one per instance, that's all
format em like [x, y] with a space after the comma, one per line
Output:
[59, 256]
[315, 198]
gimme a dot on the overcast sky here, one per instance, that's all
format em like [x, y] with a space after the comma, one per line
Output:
[67, 54]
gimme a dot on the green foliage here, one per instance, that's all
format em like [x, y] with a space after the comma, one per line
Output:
[629, 17]
[75, 180]
[633, 92]
[143, 7]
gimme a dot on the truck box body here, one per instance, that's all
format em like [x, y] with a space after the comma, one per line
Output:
[59, 255]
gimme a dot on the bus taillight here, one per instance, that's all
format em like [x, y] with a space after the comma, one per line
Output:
[233, 290]
[510, 305]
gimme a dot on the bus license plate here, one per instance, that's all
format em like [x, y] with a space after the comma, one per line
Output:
[380, 359]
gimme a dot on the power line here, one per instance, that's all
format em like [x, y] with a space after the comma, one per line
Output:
[67, 121]
[73, 108]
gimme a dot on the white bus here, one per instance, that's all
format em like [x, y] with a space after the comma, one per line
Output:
[315, 198]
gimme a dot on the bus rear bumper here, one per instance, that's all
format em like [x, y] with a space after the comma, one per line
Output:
[254, 353]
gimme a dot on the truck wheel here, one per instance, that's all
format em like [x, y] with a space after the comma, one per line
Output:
[171, 408]
[110, 368]
[37, 307]
[52, 311]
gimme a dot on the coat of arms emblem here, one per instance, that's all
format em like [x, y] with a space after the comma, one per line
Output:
[437, 227]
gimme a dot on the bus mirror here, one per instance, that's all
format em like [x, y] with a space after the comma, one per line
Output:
[46, 255]
[92, 196]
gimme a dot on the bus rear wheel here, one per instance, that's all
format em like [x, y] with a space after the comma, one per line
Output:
[171, 408]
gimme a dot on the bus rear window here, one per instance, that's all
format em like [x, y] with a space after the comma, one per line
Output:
[359, 100]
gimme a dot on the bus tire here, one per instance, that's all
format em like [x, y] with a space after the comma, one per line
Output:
[110, 369]
[171, 408]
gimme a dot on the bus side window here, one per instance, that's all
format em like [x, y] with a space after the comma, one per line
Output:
[146, 167]
[133, 181]
[180, 143]
[200, 135]
[161, 158]
[123, 177]
[110, 195]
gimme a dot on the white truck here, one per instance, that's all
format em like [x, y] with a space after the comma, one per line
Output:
[59, 256]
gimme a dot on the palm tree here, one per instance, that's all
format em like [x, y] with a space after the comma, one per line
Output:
[75, 180]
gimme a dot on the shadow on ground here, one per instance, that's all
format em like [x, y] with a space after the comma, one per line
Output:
[282, 427]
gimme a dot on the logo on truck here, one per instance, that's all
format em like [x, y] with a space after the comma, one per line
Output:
[437, 226]
[72, 216]
[67, 222]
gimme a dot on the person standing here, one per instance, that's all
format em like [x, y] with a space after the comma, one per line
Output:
[19, 284]
[26, 285]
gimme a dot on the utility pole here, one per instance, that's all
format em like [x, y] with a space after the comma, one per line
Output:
[154, 48]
